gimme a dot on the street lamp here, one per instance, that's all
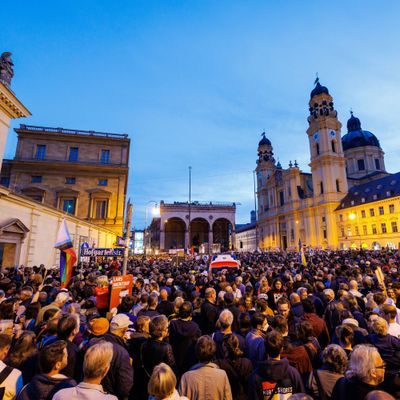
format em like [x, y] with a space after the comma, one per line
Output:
[155, 211]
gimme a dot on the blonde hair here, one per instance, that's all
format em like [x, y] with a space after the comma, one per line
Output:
[380, 326]
[102, 280]
[97, 360]
[162, 382]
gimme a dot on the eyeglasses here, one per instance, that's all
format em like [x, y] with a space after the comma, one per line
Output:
[383, 366]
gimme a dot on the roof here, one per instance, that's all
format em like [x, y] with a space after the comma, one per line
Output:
[378, 189]
[319, 89]
[245, 227]
[264, 141]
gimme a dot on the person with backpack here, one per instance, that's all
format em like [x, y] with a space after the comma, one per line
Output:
[10, 378]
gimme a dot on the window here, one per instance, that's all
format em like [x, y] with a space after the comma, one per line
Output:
[357, 230]
[40, 152]
[365, 230]
[333, 146]
[324, 232]
[321, 186]
[36, 179]
[374, 231]
[101, 209]
[103, 182]
[73, 153]
[394, 227]
[342, 232]
[383, 227]
[241, 244]
[281, 198]
[381, 211]
[340, 217]
[317, 148]
[292, 235]
[362, 213]
[391, 208]
[70, 180]
[337, 185]
[377, 163]
[372, 212]
[5, 181]
[105, 156]
[323, 220]
[68, 205]
[361, 165]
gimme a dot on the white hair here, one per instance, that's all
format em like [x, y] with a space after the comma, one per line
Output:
[225, 318]
[362, 361]
[329, 292]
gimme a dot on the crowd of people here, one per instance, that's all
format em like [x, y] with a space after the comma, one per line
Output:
[272, 329]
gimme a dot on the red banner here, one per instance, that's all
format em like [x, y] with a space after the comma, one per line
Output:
[121, 286]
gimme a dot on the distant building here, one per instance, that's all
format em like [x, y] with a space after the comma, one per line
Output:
[211, 226]
[347, 201]
[83, 173]
[246, 237]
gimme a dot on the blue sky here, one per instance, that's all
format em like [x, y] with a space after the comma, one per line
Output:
[196, 82]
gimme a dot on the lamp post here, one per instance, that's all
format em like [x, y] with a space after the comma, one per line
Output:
[154, 212]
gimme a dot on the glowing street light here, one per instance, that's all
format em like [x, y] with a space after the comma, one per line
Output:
[352, 216]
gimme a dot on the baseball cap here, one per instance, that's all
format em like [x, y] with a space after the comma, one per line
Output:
[120, 321]
[99, 326]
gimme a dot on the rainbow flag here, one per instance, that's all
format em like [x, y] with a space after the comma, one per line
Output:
[67, 253]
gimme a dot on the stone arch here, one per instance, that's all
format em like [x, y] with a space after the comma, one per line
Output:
[222, 229]
[175, 229]
[199, 229]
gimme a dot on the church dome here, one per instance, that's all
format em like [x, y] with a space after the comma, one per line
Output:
[264, 141]
[356, 137]
[318, 89]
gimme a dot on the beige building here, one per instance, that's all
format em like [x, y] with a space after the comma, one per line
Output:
[83, 173]
[318, 209]
[29, 223]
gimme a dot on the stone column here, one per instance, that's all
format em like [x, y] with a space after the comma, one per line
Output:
[210, 241]
[186, 238]
[162, 235]
[233, 238]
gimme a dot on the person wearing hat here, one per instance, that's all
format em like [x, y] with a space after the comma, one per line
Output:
[119, 378]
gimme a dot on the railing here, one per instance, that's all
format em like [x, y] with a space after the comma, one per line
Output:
[45, 129]
[66, 161]
[201, 203]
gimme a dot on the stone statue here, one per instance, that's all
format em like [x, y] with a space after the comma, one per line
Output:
[6, 68]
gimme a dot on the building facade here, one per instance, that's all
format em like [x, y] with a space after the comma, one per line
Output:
[318, 209]
[204, 226]
[83, 173]
[246, 239]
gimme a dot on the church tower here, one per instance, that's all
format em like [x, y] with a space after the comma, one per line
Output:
[327, 164]
[265, 168]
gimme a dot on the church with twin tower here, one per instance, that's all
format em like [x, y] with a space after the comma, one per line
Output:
[339, 204]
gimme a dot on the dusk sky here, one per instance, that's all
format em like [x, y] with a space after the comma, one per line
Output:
[196, 82]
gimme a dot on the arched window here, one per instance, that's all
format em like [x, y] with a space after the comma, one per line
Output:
[333, 146]
[317, 148]
[321, 185]
[337, 185]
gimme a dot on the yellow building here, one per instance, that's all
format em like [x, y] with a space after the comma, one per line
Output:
[318, 209]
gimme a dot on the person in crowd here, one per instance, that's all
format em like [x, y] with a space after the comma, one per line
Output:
[119, 378]
[151, 310]
[274, 376]
[162, 384]
[237, 367]
[183, 334]
[277, 291]
[323, 380]
[378, 395]
[345, 336]
[366, 371]
[209, 312]
[318, 324]
[59, 302]
[389, 313]
[10, 378]
[254, 345]
[102, 295]
[165, 307]
[53, 358]
[205, 380]
[95, 367]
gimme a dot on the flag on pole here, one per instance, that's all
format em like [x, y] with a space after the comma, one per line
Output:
[302, 257]
[67, 253]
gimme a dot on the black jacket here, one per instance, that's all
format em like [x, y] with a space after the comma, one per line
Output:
[43, 387]
[209, 316]
[119, 378]
[238, 371]
[182, 337]
[166, 308]
[351, 389]
[274, 377]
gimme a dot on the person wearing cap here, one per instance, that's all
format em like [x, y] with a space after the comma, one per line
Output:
[119, 378]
